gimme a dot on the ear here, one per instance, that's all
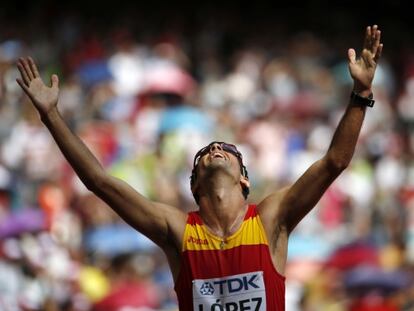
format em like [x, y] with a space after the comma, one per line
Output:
[244, 182]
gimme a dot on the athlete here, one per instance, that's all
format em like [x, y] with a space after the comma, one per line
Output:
[228, 255]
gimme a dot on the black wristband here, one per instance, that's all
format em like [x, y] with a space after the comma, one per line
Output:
[362, 101]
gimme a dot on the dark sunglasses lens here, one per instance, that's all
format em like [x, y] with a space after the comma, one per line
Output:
[231, 148]
[226, 147]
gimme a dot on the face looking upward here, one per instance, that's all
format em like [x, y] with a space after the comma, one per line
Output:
[219, 156]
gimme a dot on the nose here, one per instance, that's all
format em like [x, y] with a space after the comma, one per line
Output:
[216, 146]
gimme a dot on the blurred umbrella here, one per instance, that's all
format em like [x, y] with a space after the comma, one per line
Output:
[10, 50]
[364, 279]
[302, 270]
[308, 247]
[112, 240]
[131, 296]
[22, 221]
[94, 72]
[352, 255]
[164, 77]
[185, 118]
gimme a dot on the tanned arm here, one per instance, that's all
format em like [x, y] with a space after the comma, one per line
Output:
[284, 209]
[162, 223]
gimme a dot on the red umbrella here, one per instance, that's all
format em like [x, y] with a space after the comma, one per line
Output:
[352, 255]
[129, 294]
[373, 303]
[166, 78]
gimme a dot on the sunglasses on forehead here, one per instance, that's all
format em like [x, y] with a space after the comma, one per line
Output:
[225, 146]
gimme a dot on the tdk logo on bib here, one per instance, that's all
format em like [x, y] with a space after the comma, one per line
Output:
[232, 285]
[232, 293]
[206, 289]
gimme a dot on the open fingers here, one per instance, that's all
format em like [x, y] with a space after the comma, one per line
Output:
[374, 38]
[23, 72]
[367, 40]
[376, 42]
[33, 67]
[378, 53]
[374, 29]
[22, 85]
[372, 42]
[27, 68]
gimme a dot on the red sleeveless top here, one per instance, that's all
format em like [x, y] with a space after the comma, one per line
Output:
[231, 275]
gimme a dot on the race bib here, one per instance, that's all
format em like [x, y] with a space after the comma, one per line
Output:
[231, 293]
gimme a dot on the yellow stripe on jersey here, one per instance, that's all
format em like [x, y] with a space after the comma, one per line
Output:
[197, 237]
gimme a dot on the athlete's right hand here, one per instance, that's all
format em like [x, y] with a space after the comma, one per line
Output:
[43, 97]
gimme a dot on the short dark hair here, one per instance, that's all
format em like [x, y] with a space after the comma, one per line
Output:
[243, 170]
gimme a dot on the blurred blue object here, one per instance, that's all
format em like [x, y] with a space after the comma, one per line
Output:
[308, 247]
[368, 278]
[116, 239]
[11, 50]
[185, 118]
[22, 221]
[93, 72]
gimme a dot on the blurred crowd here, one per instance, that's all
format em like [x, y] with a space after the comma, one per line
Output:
[144, 103]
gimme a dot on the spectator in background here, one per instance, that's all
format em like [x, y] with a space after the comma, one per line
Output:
[228, 246]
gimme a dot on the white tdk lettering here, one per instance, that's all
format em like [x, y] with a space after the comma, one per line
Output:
[240, 292]
[237, 284]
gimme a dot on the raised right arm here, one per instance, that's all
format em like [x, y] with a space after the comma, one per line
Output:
[162, 223]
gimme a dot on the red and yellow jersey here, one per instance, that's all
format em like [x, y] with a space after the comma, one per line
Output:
[234, 274]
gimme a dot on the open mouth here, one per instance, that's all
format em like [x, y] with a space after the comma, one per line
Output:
[216, 155]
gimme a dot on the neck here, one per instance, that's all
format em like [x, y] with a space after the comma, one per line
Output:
[222, 206]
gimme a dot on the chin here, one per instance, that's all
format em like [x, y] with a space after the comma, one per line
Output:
[218, 166]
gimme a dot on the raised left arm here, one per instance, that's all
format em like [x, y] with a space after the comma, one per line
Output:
[284, 210]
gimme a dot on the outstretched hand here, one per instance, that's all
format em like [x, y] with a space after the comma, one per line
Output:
[43, 97]
[362, 70]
